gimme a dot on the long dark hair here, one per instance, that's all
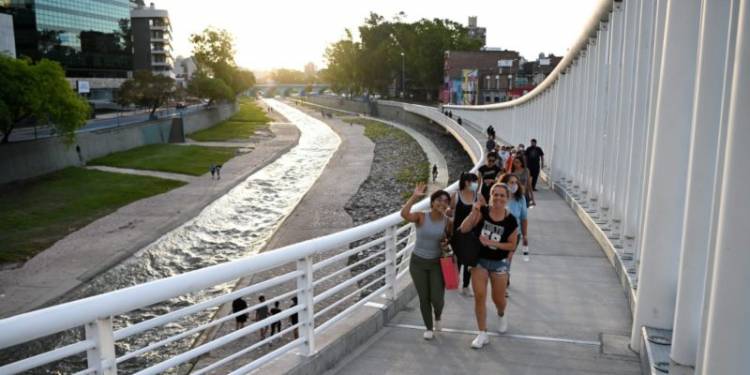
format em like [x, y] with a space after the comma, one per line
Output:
[519, 192]
[519, 157]
[465, 178]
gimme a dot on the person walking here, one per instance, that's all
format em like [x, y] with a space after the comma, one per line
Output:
[461, 203]
[535, 161]
[489, 173]
[524, 178]
[218, 171]
[491, 144]
[212, 168]
[434, 172]
[498, 236]
[275, 326]
[260, 314]
[518, 207]
[238, 305]
[433, 230]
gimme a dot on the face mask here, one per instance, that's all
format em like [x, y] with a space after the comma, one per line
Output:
[473, 186]
[513, 188]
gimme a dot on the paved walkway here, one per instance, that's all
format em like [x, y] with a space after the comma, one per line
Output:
[320, 212]
[107, 241]
[140, 172]
[567, 312]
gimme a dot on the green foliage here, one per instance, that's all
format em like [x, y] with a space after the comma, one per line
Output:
[192, 160]
[35, 214]
[214, 55]
[242, 125]
[213, 89]
[38, 92]
[374, 63]
[288, 76]
[147, 90]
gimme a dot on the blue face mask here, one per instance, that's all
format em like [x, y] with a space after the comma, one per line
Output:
[473, 186]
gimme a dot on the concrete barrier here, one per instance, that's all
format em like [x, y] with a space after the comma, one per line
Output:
[22, 160]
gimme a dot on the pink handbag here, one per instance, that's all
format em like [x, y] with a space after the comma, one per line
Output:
[450, 272]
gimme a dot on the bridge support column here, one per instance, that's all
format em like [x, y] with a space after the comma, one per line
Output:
[704, 175]
[725, 348]
[665, 201]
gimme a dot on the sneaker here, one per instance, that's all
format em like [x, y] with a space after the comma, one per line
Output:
[428, 335]
[480, 341]
[467, 292]
[502, 325]
[438, 326]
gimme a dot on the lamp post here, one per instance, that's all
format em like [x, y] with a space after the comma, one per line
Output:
[403, 79]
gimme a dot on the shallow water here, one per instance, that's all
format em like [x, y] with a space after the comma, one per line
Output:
[238, 224]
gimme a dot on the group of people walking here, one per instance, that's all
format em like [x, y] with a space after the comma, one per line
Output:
[263, 312]
[483, 222]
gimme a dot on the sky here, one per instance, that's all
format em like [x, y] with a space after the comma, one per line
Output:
[290, 33]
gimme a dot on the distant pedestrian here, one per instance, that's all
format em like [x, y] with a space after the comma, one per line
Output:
[450, 114]
[238, 305]
[459, 121]
[80, 156]
[491, 144]
[294, 318]
[218, 172]
[524, 178]
[534, 161]
[434, 172]
[212, 168]
[260, 314]
[275, 326]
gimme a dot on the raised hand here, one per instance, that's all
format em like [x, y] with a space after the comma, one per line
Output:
[420, 190]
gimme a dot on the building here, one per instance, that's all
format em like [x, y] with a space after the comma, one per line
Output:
[184, 69]
[152, 40]
[476, 32]
[310, 72]
[7, 39]
[478, 77]
[92, 43]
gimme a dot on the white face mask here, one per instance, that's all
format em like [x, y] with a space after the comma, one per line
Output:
[513, 188]
[473, 186]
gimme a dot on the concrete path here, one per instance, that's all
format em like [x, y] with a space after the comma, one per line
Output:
[567, 314]
[140, 172]
[107, 241]
[320, 212]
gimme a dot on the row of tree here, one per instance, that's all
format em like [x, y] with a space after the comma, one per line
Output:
[373, 64]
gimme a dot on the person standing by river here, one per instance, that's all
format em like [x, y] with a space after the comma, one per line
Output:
[433, 228]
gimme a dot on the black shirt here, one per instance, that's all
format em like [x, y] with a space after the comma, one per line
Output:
[533, 156]
[497, 231]
[488, 173]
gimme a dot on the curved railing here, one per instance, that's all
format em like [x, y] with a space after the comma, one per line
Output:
[645, 124]
[327, 288]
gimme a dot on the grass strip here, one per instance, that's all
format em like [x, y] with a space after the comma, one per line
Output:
[36, 213]
[191, 160]
[242, 125]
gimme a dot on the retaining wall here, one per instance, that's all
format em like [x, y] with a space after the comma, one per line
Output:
[21, 160]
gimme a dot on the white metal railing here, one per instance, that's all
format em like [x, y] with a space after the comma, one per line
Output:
[645, 124]
[321, 281]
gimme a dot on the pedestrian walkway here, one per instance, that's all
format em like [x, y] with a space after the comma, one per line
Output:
[107, 241]
[567, 314]
[141, 172]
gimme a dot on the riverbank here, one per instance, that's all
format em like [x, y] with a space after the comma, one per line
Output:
[80, 256]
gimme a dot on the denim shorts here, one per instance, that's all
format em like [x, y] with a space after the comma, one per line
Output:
[495, 266]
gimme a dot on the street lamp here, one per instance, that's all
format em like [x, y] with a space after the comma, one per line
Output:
[403, 79]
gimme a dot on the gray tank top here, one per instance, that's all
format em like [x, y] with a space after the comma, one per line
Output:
[429, 235]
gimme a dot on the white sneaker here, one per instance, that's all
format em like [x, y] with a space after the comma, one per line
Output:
[502, 325]
[437, 326]
[428, 335]
[467, 292]
[480, 341]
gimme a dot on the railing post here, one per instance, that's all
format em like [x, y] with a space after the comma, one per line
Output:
[102, 356]
[305, 293]
[390, 262]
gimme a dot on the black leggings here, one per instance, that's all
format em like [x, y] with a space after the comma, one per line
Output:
[466, 273]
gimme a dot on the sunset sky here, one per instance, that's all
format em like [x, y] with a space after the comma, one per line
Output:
[291, 33]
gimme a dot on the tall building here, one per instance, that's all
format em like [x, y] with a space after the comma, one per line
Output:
[90, 39]
[152, 40]
[477, 32]
[7, 39]
[184, 69]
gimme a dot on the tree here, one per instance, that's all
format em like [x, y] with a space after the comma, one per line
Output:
[213, 89]
[242, 79]
[288, 76]
[38, 93]
[214, 55]
[146, 89]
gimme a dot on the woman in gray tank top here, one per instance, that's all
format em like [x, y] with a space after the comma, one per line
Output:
[433, 227]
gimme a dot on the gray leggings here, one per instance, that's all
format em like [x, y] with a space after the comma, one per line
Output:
[428, 279]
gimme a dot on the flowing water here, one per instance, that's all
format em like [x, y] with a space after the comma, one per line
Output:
[238, 224]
